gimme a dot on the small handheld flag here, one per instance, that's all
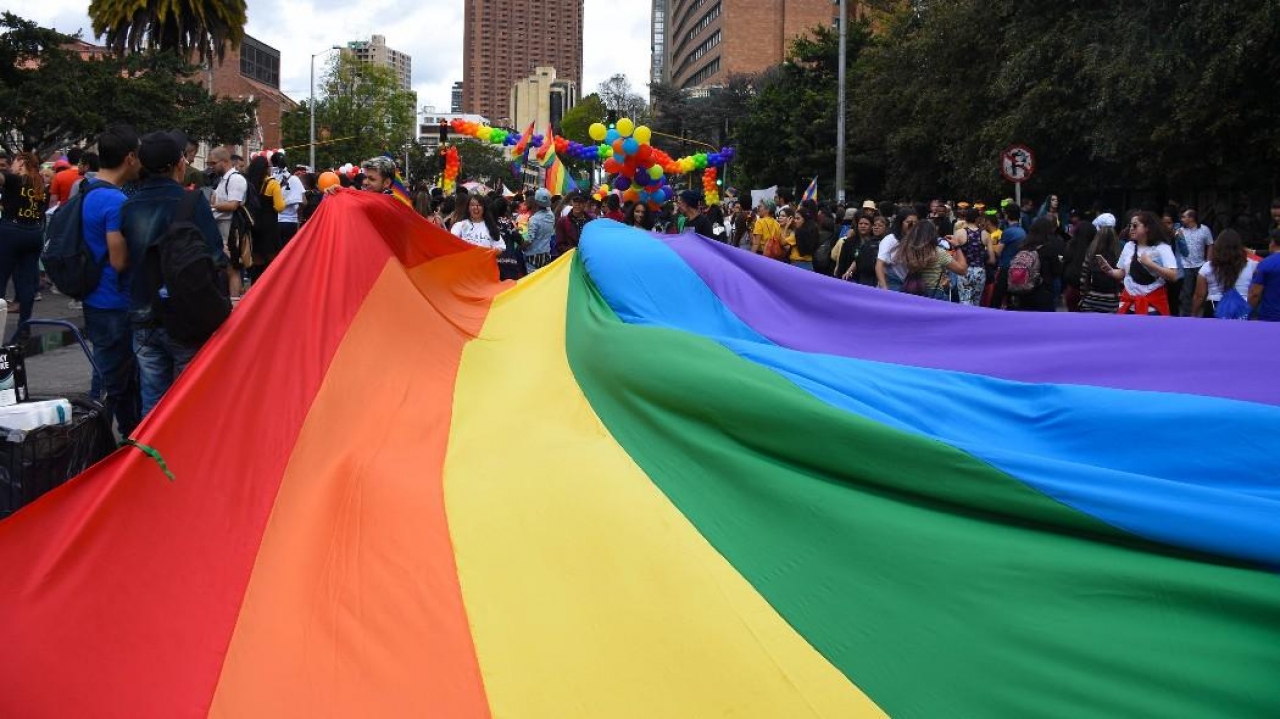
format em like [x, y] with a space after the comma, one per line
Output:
[811, 193]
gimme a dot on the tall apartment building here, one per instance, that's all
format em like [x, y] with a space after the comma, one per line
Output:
[658, 41]
[541, 99]
[375, 52]
[455, 98]
[504, 40]
[705, 41]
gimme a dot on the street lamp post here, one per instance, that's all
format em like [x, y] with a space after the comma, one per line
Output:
[840, 106]
[312, 135]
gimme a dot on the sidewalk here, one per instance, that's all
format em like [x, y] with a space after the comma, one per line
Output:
[45, 339]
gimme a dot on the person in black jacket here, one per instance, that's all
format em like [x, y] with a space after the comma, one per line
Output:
[1043, 240]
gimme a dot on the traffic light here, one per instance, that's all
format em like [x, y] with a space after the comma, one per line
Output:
[611, 119]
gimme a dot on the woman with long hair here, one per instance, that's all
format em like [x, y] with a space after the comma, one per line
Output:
[480, 228]
[969, 238]
[1147, 265]
[640, 217]
[1075, 264]
[1099, 291]
[24, 203]
[802, 239]
[889, 275]
[925, 262]
[1229, 267]
[1040, 240]
[846, 250]
[266, 219]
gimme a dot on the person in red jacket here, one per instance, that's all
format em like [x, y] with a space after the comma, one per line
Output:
[569, 227]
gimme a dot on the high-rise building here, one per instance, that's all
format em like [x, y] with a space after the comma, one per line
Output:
[375, 52]
[455, 100]
[504, 40]
[705, 41]
[658, 41]
[541, 99]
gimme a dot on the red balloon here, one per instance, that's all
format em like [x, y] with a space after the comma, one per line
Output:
[611, 166]
[644, 155]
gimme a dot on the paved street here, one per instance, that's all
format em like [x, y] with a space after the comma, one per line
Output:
[62, 372]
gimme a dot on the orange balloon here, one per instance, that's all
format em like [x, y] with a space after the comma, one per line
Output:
[327, 179]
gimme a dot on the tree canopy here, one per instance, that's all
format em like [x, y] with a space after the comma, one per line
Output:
[51, 98]
[361, 113]
[575, 123]
[188, 28]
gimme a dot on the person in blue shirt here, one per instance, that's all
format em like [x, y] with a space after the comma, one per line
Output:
[145, 218]
[1010, 241]
[106, 309]
[1264, 292]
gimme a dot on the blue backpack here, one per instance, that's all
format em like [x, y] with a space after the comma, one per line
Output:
[74, 269]
[1232, 306]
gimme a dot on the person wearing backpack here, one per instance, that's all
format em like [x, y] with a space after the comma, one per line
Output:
[229, 194]
[1224, 280]
[23, 201]
[106, 304]
[1034, 268]
[170, 320]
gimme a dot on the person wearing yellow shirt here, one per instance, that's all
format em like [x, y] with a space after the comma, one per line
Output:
[266, 220]
[765, 227]
[800, 238]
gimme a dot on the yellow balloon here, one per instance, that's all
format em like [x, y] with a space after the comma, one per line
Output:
[597, 131]
[643, 134]
[626, 127]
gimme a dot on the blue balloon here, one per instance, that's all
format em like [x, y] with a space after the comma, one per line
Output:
[660, 195]
[630, 145]
[611, 136]
[619, 158]
[622, 183]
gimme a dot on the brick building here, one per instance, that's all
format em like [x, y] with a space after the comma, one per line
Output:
[253, 71]
[504, 40]
[705, 41]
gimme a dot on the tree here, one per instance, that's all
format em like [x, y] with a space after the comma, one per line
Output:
[361, 113]
[189, 28]
[51, 98]
[710, 118]
[1167, 97]
[617, 95]
[576, 122]
[788, 132]
[480, 161]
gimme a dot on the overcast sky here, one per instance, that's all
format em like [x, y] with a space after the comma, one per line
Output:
[617, 37]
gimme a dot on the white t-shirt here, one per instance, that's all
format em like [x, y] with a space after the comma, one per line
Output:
[291, 186]
[477, 233]
[1163, 256]
[885, 255]
[1242, 282]
[232, 187]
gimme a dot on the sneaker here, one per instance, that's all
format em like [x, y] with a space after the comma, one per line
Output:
[39, 297]
[75, 305]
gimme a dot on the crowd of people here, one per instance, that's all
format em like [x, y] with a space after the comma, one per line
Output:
[130, 189]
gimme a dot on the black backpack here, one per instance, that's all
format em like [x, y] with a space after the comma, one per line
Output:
[66, 257]
[189, 296]
[865, 262]
[822, 256]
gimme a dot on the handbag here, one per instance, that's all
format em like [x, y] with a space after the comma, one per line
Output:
[240, 239]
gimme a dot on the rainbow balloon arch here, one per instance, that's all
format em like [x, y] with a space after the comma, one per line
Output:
[640, 171]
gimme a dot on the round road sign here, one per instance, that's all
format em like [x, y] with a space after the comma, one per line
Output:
[1017, 163]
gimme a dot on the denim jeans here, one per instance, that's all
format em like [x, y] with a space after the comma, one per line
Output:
[160, 361]
[111, 334]
[20, 246]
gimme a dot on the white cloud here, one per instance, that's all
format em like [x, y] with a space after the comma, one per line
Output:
[616, 37]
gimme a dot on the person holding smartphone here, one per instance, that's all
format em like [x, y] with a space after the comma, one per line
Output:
[1147, 265]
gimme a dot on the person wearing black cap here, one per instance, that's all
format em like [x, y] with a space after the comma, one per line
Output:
[688, 204]
[144, 220]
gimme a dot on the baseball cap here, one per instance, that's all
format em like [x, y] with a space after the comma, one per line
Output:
[542, 197]
[160, 151]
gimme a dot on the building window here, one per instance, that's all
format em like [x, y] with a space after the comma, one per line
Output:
[703, 23]
[700, 51]
[702, 75]
[260, 62]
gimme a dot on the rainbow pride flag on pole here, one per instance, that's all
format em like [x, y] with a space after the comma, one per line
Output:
[811, 192]
[731, 488]
[558, 181]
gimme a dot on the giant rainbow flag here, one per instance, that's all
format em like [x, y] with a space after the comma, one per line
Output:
[660, 478]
